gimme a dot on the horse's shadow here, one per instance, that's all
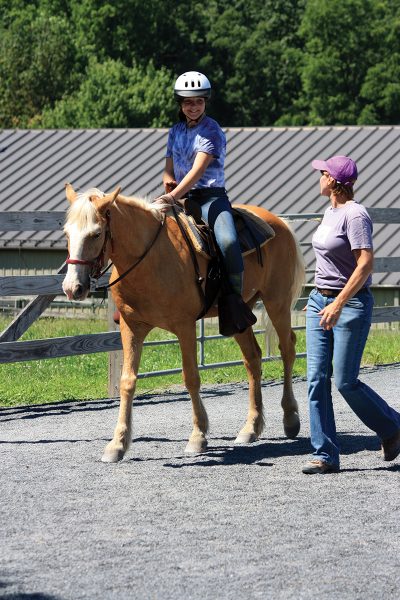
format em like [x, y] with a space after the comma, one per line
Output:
[260, 454]
[23, 596]
[51, 409]
[54, 409]
[29, 596]
[54, 441]
[264, 451]
[36, 411]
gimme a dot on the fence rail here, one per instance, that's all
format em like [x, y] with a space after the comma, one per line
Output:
[45, 288]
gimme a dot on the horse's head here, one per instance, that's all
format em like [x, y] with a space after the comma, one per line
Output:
[86, 232]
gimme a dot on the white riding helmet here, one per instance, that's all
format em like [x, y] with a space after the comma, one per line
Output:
[192, 84]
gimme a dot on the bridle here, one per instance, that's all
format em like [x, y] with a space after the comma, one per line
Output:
[98, 263]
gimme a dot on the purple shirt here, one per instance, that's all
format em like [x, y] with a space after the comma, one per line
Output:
[185, 142]
[341, 231]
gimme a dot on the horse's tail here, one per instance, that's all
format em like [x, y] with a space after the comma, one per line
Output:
[295, 289]
[299, 270]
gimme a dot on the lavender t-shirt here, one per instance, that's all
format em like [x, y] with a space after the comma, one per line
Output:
[185, 142]
[341, 231]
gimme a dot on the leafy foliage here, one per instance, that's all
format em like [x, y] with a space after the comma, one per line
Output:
[37, 58]
[115, 96]
[103, 63]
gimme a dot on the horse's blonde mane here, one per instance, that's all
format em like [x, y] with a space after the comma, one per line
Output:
[83, 213]
[143, 203]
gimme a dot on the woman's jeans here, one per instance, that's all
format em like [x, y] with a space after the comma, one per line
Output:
[343, 345]
[217, 213]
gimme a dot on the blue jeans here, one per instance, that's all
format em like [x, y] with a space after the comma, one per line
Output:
[343, 346]
[216, 211]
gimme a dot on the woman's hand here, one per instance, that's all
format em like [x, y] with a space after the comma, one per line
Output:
[169, 186]
[330, 315]
[164, 202]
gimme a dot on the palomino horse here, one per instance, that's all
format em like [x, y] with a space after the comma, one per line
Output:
[160, 291]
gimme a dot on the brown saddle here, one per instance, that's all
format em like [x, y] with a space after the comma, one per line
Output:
[234, 315]
[252, 231]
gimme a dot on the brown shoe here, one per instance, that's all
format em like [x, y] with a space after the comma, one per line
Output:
[319, 466]
[391, 447]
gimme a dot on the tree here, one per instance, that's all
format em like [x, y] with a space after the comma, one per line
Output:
[166, 32]
[270, 62]
[341, 41]
[37, 57]
[113, 95]
[257, 49]
[381, 87]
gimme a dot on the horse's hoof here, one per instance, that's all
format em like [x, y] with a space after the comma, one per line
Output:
[196, 447]
[292, 427]
[246, 438]
[113, 456]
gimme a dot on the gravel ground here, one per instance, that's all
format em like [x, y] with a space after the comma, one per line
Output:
[236, 522]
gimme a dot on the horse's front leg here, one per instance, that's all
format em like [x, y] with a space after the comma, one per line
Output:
[132, 343]
[251, 353]
[187, 340]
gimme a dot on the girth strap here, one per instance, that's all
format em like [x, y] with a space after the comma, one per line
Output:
[199, 279]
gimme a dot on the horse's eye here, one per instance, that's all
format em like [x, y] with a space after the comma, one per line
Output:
[96, 236]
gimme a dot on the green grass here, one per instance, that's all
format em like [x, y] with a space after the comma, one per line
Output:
[85, 377]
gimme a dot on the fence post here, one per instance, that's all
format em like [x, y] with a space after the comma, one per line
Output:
[115, 358]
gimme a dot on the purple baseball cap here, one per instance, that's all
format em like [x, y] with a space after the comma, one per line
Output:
[341, 168]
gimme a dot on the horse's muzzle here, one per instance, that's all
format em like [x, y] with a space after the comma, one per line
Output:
[75, 290]
[80, 292]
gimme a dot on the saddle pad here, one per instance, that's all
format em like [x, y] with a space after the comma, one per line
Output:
[252, 232]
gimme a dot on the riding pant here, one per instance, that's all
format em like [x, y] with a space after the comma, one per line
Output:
[217, 213]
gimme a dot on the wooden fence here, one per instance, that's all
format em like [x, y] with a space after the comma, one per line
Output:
[45, 288]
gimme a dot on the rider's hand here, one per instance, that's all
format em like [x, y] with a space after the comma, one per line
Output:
[164, 202]
[170, 185]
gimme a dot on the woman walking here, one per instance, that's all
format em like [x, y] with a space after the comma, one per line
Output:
[339, 312]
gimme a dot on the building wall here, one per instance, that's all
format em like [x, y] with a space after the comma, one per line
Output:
[20, 261]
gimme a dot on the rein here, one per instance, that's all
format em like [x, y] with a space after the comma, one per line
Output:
[98, 262]
[139, 260]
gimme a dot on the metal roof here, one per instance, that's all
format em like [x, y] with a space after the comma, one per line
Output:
[270, 167]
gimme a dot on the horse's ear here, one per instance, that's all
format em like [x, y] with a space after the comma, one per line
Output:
[70, 193]
[102, 204]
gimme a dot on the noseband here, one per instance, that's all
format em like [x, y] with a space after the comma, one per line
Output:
[96, 264]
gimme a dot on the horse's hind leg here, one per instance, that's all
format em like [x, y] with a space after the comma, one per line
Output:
[281, 320]
[252, 361]
[132, 343]
[187, 340]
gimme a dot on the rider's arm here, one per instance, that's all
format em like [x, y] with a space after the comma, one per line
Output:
[201, 162]
[169, 175]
